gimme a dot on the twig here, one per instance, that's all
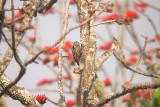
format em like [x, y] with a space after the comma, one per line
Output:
[108, 53]
[51, 101]
[140, 57]
[108, 21]
[60, 85]
[11, 9]
[150, 5]
[6, 39]
[23, 69]
[127, 90]
[31, 47]
[149, 20]
[132, 33]
[138, 72]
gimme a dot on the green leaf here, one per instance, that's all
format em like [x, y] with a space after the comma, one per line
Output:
[155, 103]
[144, 102]
[133, 99]
[157, 93]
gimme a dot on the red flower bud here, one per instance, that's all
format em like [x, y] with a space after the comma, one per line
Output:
[133, 59]
[72, 2]
[68, 43]
[110, 17]
[131, 13]
[46, 81]
[135, 51]
[67, 77]
[156, 37]
[127, 98]
[45, 60]
[142, 6]
[107, 81]
[109, 44]
[31, 38]
[70, 102]
[139, 92]
[41, 98]
[69, 15]
[102, 47]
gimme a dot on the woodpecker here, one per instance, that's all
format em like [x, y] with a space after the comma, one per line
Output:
[76, 51]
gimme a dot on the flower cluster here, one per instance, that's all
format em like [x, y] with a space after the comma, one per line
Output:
[106, 46]
[52, 52]
[51, 80]
[41, 98]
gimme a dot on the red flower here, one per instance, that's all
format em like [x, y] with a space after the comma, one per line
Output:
[65, 48]
[55, 59]
[105, 105]
[45, 60]
[71, 102]
[41, 98]
[8, 20]
[146, 93]
[46, 81]
[142, 6]
[131, 13]
[156, 37]
[107, 46]
[31, 38]
[102, 47]
[72, 2]
[19, 15]
[56, 48]
[139, 92]
[48, 11]
[127, 98]
[31, 26]
[136, 103]
[71, 59]
[69, 15]
[135, 51]
[107, 81]
[133, 59]
[67, 77]
[68, 44]
[110, 17]
[52, 50]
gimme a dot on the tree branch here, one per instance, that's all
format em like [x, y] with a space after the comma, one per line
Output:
[127, 90]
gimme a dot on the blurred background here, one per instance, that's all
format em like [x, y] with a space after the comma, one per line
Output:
[49, 28]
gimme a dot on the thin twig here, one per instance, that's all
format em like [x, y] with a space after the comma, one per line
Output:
[23, 69]
[6, 39]
[31, 47]
[108, 21]
[140, 57]
[149, 20]
[51, 101]
[150, 5]
[138, 72]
